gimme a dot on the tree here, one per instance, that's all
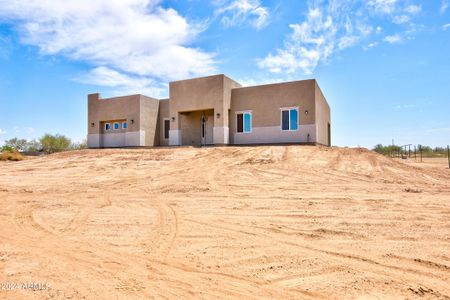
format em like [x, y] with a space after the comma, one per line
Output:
[33, 146]
[79, 146]
[54, 143]
[18, 144]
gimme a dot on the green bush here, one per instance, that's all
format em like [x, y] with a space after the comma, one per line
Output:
[18, 144]
[54, 143]
[7, 148]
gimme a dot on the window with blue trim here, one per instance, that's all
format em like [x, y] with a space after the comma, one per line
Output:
[124, 125]
[289, 119]
[116, 125]
[244, 122]
[107, 126]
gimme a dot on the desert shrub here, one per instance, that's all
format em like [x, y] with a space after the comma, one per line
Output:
[54, 143]
[79, 146]
[386, 150]
[7, 148]
[33, 146]
[12, 156]
[18, 144]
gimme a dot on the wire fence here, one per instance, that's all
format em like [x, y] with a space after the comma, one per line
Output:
[417, 152]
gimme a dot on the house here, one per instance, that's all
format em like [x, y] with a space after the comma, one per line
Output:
[213, 110]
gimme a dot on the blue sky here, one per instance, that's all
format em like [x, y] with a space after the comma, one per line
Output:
[383, 65]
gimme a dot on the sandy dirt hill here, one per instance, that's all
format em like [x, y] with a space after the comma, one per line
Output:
[284, 222]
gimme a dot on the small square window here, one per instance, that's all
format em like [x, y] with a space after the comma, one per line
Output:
[116, 125]
[124, 125]
[107, 126]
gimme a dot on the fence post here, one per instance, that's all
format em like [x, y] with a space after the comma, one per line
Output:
[420, 149]
[448, 155]
[415, 153]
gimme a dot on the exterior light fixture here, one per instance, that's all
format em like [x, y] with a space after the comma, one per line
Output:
[132, 121]
[173, 119]
[92, 124]
[218, 115]
[306, 112]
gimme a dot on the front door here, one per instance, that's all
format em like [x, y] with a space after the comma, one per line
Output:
[207, 126]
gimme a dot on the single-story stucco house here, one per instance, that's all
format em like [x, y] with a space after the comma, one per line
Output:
[213, 110]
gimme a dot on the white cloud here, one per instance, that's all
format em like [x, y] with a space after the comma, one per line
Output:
[123, 83]
[406, 106]
[444, 5]
[371, 45]
[446, 26]
[138, 37]
[393, 39]
[311, 41]
[2, 131]
[332, 26]
[401, 19]
[238, 12]
[413, 9]
[382, 6]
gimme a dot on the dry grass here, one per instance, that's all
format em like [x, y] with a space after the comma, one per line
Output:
[11, 156]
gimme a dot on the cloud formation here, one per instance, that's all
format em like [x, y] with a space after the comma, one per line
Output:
[238, 12]
[137, 37]
[332, 26]
[393, 39]
[444, 5]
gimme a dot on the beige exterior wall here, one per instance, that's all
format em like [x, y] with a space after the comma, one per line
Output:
[322, 118]
[201, 94]
[140, 113]
[149, 120]
[265, 103]
[219, 98]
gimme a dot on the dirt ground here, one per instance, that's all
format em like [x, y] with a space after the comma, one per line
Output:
[284, 222]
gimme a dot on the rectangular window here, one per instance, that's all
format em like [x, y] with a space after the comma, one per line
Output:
[116, 125]
[244, 122]
[166, 129]
[124, 125]
[289, 119]
[107, 126]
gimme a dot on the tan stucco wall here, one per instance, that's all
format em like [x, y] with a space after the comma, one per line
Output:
[118, 108]
[322, 116]
[141, 109]
[265, 102]
[212, 92]
[195, 94]
[149, 119]
[163, 114]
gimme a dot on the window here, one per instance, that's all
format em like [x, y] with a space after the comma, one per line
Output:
[244, 122]
[116, 125]
[289, 118]
[124, 125]
[166, 128]
[107, 126]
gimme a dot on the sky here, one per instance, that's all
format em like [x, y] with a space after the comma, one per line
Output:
[383, 65]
